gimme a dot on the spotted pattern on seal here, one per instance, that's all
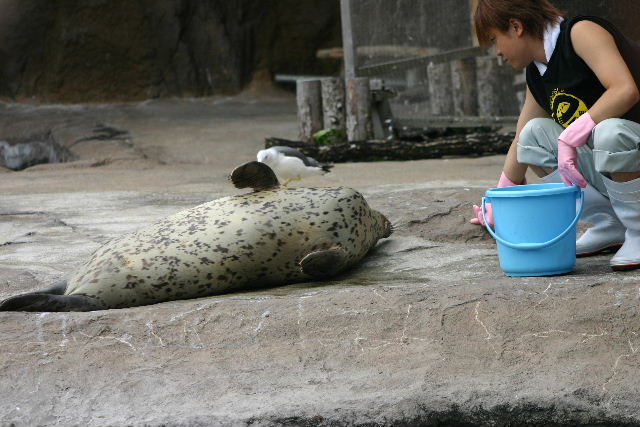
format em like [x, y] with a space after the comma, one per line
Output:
[247, 241]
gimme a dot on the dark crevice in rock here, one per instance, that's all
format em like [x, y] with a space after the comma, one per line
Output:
[528, 415]
[60, 223]
[13, 243]
[23, 213]
[418, 248]
[105, 133]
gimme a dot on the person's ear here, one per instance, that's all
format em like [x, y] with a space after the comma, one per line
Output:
[516, 26]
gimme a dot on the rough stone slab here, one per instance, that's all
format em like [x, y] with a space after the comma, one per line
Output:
[426, 330]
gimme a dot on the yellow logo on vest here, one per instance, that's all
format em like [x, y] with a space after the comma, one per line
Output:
[565, 108]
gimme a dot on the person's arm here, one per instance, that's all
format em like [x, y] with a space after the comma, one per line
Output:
[531, 109]
[597, 47]
[513, 173]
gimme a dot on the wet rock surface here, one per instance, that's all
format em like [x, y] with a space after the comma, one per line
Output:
[426, 330]
[18, 155]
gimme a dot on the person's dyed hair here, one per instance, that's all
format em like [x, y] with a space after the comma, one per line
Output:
[495, 14]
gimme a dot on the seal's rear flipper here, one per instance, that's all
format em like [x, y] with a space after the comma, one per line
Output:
[325, 263]
[55, 289]
[255, 175]
[50, 302]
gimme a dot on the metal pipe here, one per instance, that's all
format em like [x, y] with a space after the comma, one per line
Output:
[348, 46]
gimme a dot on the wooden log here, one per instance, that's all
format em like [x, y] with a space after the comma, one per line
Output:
[333, 104]
[309, 100]
[359, 124]
[413, 77]
[473, 144]
[473, 5]
[487, 78]
[496, 94]
[440, 97]
[464, 87]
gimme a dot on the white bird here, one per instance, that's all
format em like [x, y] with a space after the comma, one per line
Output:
[290, 164]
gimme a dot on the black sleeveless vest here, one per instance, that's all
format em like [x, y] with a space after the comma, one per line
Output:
[569, 87]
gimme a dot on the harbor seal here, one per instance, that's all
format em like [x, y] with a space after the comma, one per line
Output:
[271, 236]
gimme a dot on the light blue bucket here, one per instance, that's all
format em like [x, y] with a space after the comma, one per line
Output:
[535, 227]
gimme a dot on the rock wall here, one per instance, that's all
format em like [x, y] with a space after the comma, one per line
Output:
[112, 50]
[106, 50]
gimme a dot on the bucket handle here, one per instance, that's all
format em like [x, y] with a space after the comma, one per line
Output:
[533, 246]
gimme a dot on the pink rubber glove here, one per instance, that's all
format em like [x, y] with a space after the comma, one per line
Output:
[479, 220]
[574, 136]
[477, 210]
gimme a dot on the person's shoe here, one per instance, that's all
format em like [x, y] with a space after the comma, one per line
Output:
[606, 233]
[625, 199]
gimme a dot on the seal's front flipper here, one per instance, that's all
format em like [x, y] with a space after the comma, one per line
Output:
[51, 302]
[254, 174]
[326, 263]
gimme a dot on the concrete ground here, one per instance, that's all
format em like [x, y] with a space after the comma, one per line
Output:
[426, 331]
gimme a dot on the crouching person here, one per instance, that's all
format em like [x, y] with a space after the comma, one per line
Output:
[580, 122]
